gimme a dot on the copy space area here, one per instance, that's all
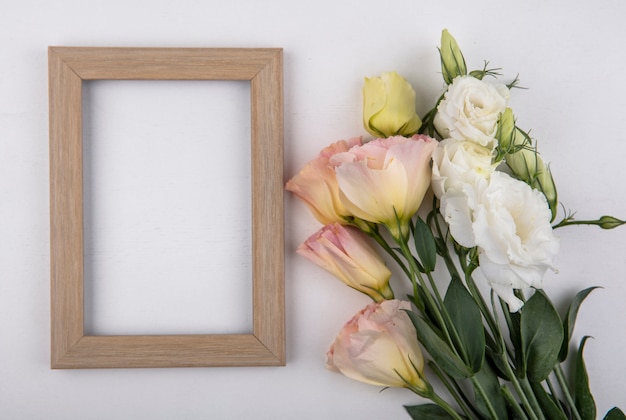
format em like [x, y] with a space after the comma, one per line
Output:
[167, 207]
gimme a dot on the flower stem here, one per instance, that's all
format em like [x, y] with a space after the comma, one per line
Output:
[560, 376]
[454, 391]
[531, 398]
[479, 388]
[555, 398]
[509, 370]
[432, 395]
[433, 306]
[384, 245]
[513, 403]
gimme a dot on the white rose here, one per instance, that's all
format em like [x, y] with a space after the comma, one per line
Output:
[457, 162]
[470, 110]
[509, 222]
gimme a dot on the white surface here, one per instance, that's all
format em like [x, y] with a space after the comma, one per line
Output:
[167, 207]
[569, 54]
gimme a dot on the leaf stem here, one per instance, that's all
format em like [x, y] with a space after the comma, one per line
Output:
[433, 306]
[509, 370]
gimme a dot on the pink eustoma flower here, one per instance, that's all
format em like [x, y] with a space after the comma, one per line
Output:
[384, 181]
[345, 252]
[378, 346]
[316, 184]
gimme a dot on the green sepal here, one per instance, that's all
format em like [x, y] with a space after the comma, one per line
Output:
[570, 320]
[439, 350]
[541, 334]
[467, 321]
[427, 412]
[491, 386]
[615, 414]
[582, 394]
[425, 245]
[547, 403]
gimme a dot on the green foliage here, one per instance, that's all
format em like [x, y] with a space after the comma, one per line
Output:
[467, 322]
[490, 385]
[615, 414]
[582, 394]
[547, 402]
[425, 245]
[447, 360]
[427, 412]
[570, 320]
[541, 334]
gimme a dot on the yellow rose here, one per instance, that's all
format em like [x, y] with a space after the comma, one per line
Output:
[389, 106]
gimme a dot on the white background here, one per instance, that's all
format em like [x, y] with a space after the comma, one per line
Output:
[568, 53]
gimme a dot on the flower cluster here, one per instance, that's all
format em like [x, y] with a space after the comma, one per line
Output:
[492, 220]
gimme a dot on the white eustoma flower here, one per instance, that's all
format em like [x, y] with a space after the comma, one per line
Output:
[509, 222]
[470, 110]
[458, 162]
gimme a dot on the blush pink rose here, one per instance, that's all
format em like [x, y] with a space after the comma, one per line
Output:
[316, 184]
[346, 253]
[378, 346]
[384, 181]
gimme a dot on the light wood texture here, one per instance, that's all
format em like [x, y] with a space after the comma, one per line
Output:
[70, 348]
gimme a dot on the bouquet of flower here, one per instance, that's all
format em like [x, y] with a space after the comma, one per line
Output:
[494, 342]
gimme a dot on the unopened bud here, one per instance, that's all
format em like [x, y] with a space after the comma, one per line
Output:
[528, 166]
[610, 222]
[452, 61]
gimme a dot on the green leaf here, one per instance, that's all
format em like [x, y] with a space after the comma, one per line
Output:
[491, 386]
[615, 414]
[582, 394]
[425, 245]
[570, 320]
[467, 321]
[498, 365]
[427, 412]
[445, 358]
[547, 403]
[541, 334]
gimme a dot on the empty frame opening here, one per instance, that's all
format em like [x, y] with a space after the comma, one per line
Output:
[167, 207]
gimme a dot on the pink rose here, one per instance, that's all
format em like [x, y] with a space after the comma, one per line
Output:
[316, 184]
[378, 346]
[346, 253]
[384, 181]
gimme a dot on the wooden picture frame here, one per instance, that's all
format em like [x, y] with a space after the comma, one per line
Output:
[70, 347]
